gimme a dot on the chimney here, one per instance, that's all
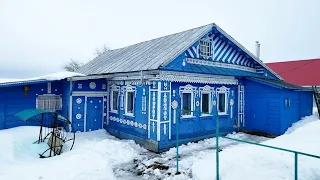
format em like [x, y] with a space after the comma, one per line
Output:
[258, 49]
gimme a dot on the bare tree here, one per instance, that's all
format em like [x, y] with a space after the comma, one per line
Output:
[72, 65]
[105, 48]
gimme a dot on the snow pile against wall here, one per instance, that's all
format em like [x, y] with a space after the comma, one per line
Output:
[93, 157]
[249, 161]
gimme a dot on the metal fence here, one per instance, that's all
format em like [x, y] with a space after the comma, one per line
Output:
[296, 153]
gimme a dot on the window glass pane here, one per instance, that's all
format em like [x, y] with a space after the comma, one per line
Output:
[222, 102]
[205, 103]
[186, 104]
[130, 102]
[115, 100]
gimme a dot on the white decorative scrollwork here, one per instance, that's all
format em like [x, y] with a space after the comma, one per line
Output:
[79, 101]
[104, 86]
[144, 101]
[231, 105]
[164, 129]
[79, 86]
[78, 116]
[92, 85]
[165, 112]
[197, 103]
[128, 122]
[214, 103]
[173, 93]
[153, 112]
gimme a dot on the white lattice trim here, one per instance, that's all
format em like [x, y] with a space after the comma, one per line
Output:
[219, 64]
[202, 80]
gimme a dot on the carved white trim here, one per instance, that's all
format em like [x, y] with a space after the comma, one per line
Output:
[144, 102]
[219, 64]
[128, 122]
[223, 89]
[79, 101]
[79, 86]
[92, 85]
[165, 104]
[78, 116]
[202, 80]
[153, 105]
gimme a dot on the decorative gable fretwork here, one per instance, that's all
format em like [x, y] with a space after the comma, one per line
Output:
[214, 48]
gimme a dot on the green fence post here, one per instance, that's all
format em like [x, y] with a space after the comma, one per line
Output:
[217, 147]
[296, 166]
[177, 139]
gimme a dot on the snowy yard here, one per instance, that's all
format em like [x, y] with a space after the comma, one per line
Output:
[98, 155]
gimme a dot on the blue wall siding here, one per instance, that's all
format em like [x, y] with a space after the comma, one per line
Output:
[265, 108]
[199, 127]
[13, 101]
[136, 125]
[90, 85]
[262, 107]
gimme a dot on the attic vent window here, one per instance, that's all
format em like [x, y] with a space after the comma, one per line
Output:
[205, 48]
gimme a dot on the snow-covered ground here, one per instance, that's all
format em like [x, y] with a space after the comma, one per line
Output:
[252, 162]
[98, 155]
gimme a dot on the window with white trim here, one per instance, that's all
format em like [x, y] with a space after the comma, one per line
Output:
[114, 101]
[205, 103]
[49, 102]
[222, 103]
[129, 108]
[114, 98]
[222, 100]
[204, 45]
[187, 104]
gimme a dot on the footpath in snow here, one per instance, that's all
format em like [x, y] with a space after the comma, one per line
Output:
[98, 155]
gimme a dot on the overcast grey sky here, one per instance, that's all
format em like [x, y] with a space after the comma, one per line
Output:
[38, 36]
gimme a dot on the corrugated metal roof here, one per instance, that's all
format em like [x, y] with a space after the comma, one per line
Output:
[152, 54]
[148, 55]
[282, 84]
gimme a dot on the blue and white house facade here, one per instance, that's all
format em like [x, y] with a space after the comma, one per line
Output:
[143, 91]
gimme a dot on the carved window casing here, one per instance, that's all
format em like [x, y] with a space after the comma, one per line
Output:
[222, 98]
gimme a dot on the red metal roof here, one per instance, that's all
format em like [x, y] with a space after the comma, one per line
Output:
[301, 72]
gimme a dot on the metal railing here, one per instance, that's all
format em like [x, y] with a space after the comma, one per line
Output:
[296, 153]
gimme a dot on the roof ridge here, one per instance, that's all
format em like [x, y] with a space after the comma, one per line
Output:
[160, 37]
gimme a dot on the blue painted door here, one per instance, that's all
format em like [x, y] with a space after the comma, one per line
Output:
[94, 113]
[78, 113]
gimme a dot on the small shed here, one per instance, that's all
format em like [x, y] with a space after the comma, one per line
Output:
[271, 106]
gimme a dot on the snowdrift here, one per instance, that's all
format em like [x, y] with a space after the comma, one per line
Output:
[252, 162]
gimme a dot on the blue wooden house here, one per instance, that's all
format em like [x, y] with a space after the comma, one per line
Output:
[142, 91]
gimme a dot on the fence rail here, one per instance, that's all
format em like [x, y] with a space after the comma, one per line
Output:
[296, 153]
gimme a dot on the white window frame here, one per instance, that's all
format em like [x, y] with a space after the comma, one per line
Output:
[188, 89]
[129, 89]
[192, 102]
[204, 45]
[223, 90]
[112, 109]
[209, 104]
[206, 90]
[114, 88]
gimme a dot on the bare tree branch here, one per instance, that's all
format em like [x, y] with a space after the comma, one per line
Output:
[72, 65]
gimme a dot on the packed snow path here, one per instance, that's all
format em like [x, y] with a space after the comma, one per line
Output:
[98, 155]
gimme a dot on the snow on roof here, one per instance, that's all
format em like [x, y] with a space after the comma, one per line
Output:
[49, 77]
